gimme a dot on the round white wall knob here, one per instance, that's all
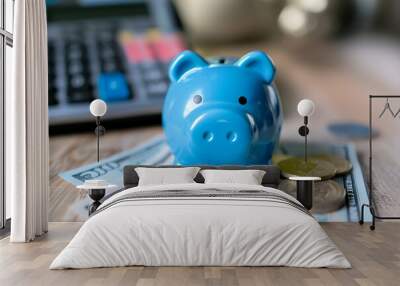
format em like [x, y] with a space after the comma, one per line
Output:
[98, 107]
[306, 107]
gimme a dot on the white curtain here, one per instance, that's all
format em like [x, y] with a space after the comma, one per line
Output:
[27, 141]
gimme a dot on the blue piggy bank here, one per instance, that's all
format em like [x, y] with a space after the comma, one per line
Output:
[222, 113]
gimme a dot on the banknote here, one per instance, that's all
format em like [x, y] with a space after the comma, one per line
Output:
[156, 152]
[153, 152]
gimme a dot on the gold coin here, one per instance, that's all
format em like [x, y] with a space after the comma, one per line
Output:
[342, 165]
[276, 158]
[312, 168]
[328, 196]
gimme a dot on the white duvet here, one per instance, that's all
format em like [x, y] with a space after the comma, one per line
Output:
[200, 231]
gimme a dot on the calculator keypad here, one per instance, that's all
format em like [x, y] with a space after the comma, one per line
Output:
[115, 62]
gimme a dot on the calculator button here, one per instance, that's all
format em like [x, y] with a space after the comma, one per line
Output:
[149, 66]
[74, 45]
[78, 82]
[157, 89]
[113, 87]
[105, 36]
[168, 46]
[109, 66]
[75, 51]
[106, 44]
[75, 54]
[138, 50]
[72, 34]
[75, 68]
[107, 53]
[79, 87]
[153, 75]
[79, 96]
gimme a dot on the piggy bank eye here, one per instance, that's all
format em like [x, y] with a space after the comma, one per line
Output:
[242, 100]
[197, 99]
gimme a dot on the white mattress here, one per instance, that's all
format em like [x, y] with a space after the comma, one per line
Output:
[191, 231]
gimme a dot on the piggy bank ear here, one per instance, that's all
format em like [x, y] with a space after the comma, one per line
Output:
[260, 63]
[184, 62]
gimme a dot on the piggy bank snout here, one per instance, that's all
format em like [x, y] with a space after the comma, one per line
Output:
[222, 128]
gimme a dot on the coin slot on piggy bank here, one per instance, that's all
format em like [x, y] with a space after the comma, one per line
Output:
[222, 112]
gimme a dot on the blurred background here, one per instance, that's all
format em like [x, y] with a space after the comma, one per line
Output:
[120, 50]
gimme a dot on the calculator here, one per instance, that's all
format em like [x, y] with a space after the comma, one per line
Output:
[115, 50]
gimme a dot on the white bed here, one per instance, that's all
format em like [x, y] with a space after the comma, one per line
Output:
[267, 229]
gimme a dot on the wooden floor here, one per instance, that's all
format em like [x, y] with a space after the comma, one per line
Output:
[375, 257]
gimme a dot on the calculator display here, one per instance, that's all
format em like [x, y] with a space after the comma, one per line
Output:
[94, 9]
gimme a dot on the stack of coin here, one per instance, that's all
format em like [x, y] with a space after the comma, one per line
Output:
[328, 195]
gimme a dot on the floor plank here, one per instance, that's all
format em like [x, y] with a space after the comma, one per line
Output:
[375, 257]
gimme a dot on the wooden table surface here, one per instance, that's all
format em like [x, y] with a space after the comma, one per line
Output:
[316, 71]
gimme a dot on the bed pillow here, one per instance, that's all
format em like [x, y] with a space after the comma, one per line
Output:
[166, 176]
[248, 177]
